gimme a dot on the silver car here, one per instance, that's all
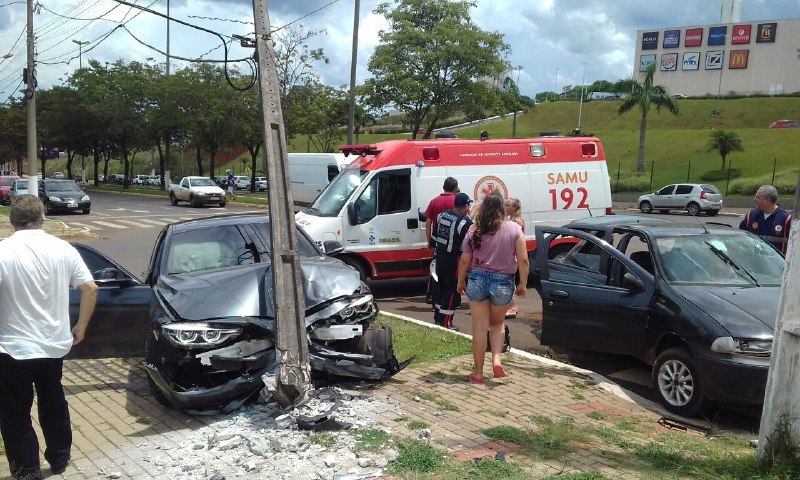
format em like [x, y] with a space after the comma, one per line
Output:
[692, 197]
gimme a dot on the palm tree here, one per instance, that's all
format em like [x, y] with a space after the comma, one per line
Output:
[725, 143]
[644, 95]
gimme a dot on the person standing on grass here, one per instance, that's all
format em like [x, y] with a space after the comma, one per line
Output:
[514, 212]
[36, 271]
[769, 220]
[452, 227]
[492, 252]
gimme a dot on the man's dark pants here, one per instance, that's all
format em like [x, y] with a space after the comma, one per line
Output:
[17, 381]
[448, 299]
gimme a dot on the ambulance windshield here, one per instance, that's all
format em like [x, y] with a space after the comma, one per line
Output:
[331, 201]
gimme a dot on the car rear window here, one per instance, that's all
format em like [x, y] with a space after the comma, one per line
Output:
[710, 189]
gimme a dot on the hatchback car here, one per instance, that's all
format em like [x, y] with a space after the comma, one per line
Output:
[64, 196]
[242, 182]
[694, 198]
[19, 187]
[6, 181]
[785, 124]
[698, 303]
[261, 184]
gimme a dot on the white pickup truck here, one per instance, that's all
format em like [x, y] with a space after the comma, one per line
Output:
[197, 191]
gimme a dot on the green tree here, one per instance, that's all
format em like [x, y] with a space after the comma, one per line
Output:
[725, 143]
[430, 58]
[644, 95]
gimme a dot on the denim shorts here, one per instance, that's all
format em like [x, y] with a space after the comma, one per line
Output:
[498, 288]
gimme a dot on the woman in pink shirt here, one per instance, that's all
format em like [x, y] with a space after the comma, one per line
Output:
[492, 252]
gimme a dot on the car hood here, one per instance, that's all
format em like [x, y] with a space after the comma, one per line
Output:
[745, 312]
[244, 290]
[208, 189]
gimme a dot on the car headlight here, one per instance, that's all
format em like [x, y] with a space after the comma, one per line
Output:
[85, 198]
[198, 335]
[54, 199]
[202, 194]
[358, 309]
[743, 346]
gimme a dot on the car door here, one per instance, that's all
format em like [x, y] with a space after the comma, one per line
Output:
[682, 196]
[593, 298]
[663, 198]
[121, 320]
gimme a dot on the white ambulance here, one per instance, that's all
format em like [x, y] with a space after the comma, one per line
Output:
[372, 206]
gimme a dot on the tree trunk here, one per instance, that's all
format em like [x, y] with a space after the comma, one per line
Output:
[642, 133]
[96, 155]
[723, 162]
[213, 154]
[199, 160]
[164, 181]
[253, 156]
[125, 163]
[70, 157]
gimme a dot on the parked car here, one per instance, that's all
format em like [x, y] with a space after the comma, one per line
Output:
[242, 182]
[445, 134]
[694, 198]
[117, 178]
[63, 195]
[58, 175]
[140, 179]
[6, 181]
[221, 181]
[204, 351]
[698, 303]
[785, 124]
[261, 184]
[154, 180]
[19, 187]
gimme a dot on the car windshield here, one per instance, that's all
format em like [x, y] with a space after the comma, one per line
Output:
[22, 184]
[225, 246]
[332, 199]
[7, 182]
[63, 186]
[203, 182]
[720, 260]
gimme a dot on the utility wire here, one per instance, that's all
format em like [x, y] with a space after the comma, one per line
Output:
[222, 19]
[304, 16]
[194, 60]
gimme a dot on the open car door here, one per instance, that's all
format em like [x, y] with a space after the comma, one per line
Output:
[593, 297]
[121, 320]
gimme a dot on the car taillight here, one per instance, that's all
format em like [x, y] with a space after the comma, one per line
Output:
[609, 211]
[430, 153]
[588, 149]
[702, 195]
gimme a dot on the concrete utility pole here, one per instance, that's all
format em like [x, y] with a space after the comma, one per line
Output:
[351, 122]
[294, 371]
[165, 177]
[80, 67]
[30, 95]
[583, 90]
[780, 419]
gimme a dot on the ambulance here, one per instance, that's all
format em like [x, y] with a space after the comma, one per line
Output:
[372, 207]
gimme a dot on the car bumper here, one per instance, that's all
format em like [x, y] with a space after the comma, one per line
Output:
[738, 380]
[5, 198]
[211, 198]
[711, 205]
[66, 206]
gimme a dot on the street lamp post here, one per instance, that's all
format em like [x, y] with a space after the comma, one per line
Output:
[80, 67]
[583, 89]
[516, 86]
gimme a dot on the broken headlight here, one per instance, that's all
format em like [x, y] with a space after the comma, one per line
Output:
[745, 346]
[358, 309]
[198, 335]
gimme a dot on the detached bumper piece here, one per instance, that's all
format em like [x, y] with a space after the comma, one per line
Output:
[373, 359]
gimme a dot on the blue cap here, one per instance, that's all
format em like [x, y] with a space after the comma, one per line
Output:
[462, 199]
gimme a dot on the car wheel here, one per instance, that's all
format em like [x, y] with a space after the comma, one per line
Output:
[86, 211]
[173, 199]
[664, 211]
[646, 207]
[693, 209]
[712, 213]
[151, 357]
[222, 203]
[357, 264]
[48, 209]
[677, 384]
[193, 201]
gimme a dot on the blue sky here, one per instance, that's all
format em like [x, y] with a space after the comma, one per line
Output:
[546, 36]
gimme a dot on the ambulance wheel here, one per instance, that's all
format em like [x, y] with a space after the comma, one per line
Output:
[646, 207]
[357, 264]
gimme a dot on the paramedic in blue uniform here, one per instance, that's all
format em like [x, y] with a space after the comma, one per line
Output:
[768, 220]
[451, 228]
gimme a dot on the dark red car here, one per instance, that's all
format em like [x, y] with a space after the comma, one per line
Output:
[785, 124]
[5, 187]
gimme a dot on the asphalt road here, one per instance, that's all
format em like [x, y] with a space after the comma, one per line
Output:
[124, 227]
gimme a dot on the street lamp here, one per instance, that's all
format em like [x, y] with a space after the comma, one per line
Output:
[80, 51]
[583, 89]
[516, 97]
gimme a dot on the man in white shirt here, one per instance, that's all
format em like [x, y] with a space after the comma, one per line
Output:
[36, 271]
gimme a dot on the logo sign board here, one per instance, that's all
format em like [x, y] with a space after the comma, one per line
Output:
[645, 61]
[672, 39]
[669, 62]
[714, 59]
[691, 61]
[694, 37]
[737, 59]
[716, 35]
[767, 32]
[649, 40]
[741, 34]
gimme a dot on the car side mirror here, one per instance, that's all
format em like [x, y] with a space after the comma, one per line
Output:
[111, 277]
[352, 216]
[632, 283]
[332, 247]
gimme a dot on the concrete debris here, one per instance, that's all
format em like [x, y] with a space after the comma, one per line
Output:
[425, 434]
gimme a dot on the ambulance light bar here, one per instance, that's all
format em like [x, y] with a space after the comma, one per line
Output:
[362, 150]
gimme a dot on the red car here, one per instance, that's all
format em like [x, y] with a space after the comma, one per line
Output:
[785, 124]
[5, 187]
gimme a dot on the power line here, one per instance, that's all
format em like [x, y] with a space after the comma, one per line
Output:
[221, 19]
[304, 16]
[193, 60]
[80, 19]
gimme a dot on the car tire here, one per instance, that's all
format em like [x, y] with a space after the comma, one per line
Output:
[693, 209]
[646, 207]
[173, 199]
[86, 211]
[222, 204]
[355, 263]
[151, 357]
[193, 202]
[676, 383]
[712, 213]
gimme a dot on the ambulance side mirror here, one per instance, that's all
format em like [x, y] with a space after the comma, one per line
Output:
[352, 216]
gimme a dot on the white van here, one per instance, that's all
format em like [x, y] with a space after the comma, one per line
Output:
[371, 207]
[311, 172]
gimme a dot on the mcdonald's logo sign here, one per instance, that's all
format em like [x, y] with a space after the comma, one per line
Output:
[737, 59]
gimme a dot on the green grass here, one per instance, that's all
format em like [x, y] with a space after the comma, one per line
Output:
[550, 440]
[324, 439]
[372, 440]
[429, 345]
[597, 415]
[416, 425]
[578, 476]
[417, 457]
[441, 403]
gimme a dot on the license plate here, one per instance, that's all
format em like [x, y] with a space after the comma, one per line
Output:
[214, 198]
[72, 205]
